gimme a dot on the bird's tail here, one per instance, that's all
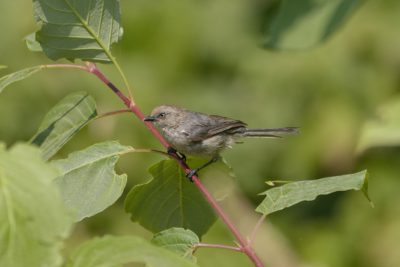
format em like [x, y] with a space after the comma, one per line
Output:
[273, 132]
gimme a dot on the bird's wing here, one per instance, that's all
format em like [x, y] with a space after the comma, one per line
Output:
[223, 124]
[213, 125]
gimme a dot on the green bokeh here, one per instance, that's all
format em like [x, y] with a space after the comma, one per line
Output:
[207, 56]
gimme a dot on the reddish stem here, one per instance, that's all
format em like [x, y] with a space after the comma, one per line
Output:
[128, 102]
[244, 245]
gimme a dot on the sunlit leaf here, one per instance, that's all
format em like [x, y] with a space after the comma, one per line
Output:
[78, 29]
[17, 76]
[88, 182]
[169, 200]
[33, 218]
[63, 121]
[179, 240]
[304, 24]
[112, 251]
[382, 130]
[287, 195]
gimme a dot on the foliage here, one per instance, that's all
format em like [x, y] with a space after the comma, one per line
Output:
[114, 251]
[33, 217]
[383, 129]
[17, 76]
[78, 29]
[86, 181]
[169, 200]
[287, 195]
[63, 121]
[315, 19]
[178, 240]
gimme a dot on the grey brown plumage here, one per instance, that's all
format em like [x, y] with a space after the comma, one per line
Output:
[196, 133]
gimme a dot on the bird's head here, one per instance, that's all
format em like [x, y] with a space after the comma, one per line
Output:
[166, 116]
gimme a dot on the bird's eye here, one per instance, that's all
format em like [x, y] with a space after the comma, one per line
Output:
[161, 115]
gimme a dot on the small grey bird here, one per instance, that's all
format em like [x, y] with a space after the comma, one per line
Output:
[199, 134]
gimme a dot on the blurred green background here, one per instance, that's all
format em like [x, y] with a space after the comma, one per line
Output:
[207, 56]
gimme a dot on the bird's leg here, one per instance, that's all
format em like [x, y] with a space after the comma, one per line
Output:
[172, 151]
[194, 171]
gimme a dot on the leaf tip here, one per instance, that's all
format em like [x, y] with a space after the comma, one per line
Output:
[364, 188]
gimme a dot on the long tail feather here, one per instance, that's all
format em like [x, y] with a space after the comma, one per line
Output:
[273, 132]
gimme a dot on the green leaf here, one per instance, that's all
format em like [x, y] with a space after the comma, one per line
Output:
[63, 121]
[169, 200]
[88, 182]
[287, 195]
[3, 67]
[304, 24]
[382, 130]
[179, 240]
[32, 44]
[33, 218]
[78, 29]
[111, 251]
[17, 76]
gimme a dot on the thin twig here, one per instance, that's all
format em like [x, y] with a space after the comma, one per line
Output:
[149, 150]
[255, 229]
[205, 245]
[111, 113]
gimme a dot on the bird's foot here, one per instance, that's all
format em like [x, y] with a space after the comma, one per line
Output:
[192, 173]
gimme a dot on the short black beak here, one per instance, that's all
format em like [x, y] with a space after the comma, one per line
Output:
[149, 118]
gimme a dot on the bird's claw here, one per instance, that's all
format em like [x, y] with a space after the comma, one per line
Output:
[190, 174]
[171, 150]
[181, 156]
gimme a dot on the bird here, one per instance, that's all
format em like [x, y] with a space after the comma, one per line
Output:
[198, 134]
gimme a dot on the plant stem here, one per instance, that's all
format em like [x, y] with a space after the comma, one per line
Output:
[147, 150]
[69, 66]
[204, 245]
[255, 229]
[112, 113]
[129, 102]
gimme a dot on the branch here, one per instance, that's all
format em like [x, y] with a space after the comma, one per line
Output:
[244, 246]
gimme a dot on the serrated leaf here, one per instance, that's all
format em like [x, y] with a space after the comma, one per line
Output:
[17, 76]
[88, 182]
[78, 29]
[33, 218]
[111, 251]
[169, 200]
[178, 240]
[63, 121]
[287, 195]
[382, 130]
[304, 24]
